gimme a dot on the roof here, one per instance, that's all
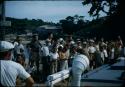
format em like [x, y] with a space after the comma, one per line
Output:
[49, 27]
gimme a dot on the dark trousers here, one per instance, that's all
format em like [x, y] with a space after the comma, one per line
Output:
[53, 66]
[35, 60]
[46, 67]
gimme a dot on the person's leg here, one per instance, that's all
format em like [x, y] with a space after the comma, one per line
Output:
[55, 71]
[44, 68]
[62, 65]
[32, 63]
[52, 67]
[66, 64]
[76, 76]
[47, 66]
[32, 59]
[37, 64]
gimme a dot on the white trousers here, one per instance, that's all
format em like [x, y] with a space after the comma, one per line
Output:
[76, 74]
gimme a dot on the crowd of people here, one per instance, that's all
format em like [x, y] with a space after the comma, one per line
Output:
[58, 54]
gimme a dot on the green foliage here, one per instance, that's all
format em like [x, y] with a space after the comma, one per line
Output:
[20, 26]
[72, 24]
[99, 5]
[113, 25]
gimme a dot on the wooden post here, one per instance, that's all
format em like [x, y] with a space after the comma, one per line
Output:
[2, 19]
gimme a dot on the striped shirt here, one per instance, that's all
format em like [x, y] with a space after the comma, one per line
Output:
[80, 61]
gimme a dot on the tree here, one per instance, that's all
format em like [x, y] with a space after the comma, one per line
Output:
[99, 5]
[72, 24]
[115, 14]
[68, 25]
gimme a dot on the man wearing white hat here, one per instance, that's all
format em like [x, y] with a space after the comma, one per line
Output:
[9, 70]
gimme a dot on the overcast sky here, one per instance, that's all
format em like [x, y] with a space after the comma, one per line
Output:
[46, 10]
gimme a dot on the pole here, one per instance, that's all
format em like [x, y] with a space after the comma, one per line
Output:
[2, 19]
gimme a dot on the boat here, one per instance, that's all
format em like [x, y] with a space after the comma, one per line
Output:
[106, 75]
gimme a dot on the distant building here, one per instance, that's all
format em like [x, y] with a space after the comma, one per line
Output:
[44, 30]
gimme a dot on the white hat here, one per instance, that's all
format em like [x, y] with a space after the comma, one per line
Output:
[60, 39]
[91, 40]
[5, 46]
[84, 42]
[72, 42]
[61, 46]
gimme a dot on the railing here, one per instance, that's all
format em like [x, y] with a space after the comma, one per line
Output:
[57, 77]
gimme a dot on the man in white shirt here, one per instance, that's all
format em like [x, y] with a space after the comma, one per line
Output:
[92, 50]
[53, 60]
[10, 70]
[45, 61]
[19, 49]
[35, 47]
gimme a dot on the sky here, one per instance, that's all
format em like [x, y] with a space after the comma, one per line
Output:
[49, 11]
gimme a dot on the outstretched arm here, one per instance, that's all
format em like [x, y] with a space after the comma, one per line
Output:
[29, 82]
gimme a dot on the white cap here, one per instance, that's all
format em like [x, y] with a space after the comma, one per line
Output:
[72, 42]
[60, 39]
[61, 46]
[5, 46]
[84, 42]
[91, 40]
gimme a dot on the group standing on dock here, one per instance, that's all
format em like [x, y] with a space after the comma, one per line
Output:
[57, 54]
